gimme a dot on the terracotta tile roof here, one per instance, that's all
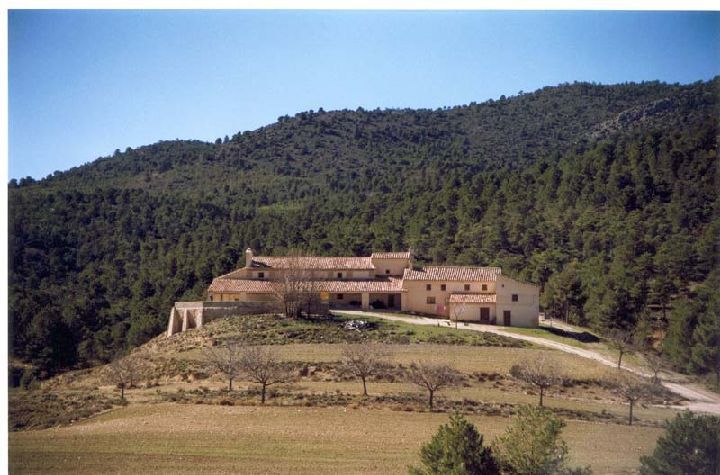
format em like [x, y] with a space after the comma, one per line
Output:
[453, 273]
[372, 285]
[240, 285]
[315, 263]
[472, 298]
[334, 286]
[390, 255]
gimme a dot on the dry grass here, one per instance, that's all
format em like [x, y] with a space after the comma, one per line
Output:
[463, 358]
[176, 438]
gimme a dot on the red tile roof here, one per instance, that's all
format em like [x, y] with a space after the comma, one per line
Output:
[453, 273]
[241, 285]
[334, 286]
[390, 255]
[472, 298]
[372, 285]
[314, 263]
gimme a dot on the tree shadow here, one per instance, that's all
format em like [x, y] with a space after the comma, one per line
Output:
[583, 337]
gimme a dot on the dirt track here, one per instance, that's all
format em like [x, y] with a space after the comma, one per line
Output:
[698, 399]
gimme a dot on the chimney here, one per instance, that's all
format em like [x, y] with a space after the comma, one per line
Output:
[248, 258]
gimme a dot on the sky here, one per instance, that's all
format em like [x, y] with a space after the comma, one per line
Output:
[84, 83]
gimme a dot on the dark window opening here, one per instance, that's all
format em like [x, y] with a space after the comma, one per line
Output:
[340, 296]
[428, 287]
[387, 271]
[514, 297]
[443, 287]
[339, 275]
[261, 275]
[431, 300]
[467, 287]
[484, 286]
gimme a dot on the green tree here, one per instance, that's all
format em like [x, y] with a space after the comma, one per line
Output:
[690, 445]
[705, 353]
[456, 449]
[531, 445]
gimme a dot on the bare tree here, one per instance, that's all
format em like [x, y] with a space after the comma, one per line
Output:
[623, 341]
[541, 371]
[633, 389]
[432, 378]
[225, 359]
[124, 371]
[364, 360]
[458, 310]
[310, 294]
[655, 363]
[294, 287]
[262, 365]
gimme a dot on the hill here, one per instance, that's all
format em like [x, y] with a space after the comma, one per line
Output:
[180, 408]
[606, 196]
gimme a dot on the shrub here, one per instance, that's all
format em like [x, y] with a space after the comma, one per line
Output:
[691, 444]
[531, 445]
[456, 449]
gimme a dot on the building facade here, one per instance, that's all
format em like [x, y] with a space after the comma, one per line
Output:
[388, 280]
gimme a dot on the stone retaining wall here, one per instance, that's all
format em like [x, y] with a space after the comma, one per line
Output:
[187, 315]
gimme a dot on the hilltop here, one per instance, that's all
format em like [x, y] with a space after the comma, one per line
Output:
[605, 196]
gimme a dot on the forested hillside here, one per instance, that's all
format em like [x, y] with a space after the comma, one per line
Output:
[606, 196]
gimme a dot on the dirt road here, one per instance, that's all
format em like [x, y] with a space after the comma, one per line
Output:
[698, 399]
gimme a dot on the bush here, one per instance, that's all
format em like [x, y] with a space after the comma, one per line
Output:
[456, 449]
[531, 445]
[691, 444]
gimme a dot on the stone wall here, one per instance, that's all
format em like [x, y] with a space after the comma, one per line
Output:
[187, 315]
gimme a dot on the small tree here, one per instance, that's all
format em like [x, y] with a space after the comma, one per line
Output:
[262, 365]
[531, 445]
[458, 310]
[456, 448]
[691, 444]
[225, 359]
[432, 378]
[541, 371]
[294, 287]
[623, 341]
[123, 371]
[654, 363]
[364, 360]
[633, 389]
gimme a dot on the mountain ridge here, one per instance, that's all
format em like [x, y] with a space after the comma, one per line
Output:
[99, 253]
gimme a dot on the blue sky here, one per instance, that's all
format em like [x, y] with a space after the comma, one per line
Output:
[83, 83]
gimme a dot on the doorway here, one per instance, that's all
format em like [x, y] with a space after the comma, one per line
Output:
[506, 318]
[484, 315]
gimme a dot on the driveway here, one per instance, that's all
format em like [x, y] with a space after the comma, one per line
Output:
[698, 399]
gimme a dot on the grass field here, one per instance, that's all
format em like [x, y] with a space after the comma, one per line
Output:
[319, 423]
[181, 438]
[463, 358]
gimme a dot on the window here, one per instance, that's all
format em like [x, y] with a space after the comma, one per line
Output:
[339, 275]
[484, 287]
[443, 287]
[430, 300]
[261, 275]
[514, 297]
[387, 271]
[340, 296]
[467, 287]
[428, 286]
[237, 299]
[211, 298]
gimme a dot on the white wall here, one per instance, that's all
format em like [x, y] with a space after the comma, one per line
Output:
[524, 312]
